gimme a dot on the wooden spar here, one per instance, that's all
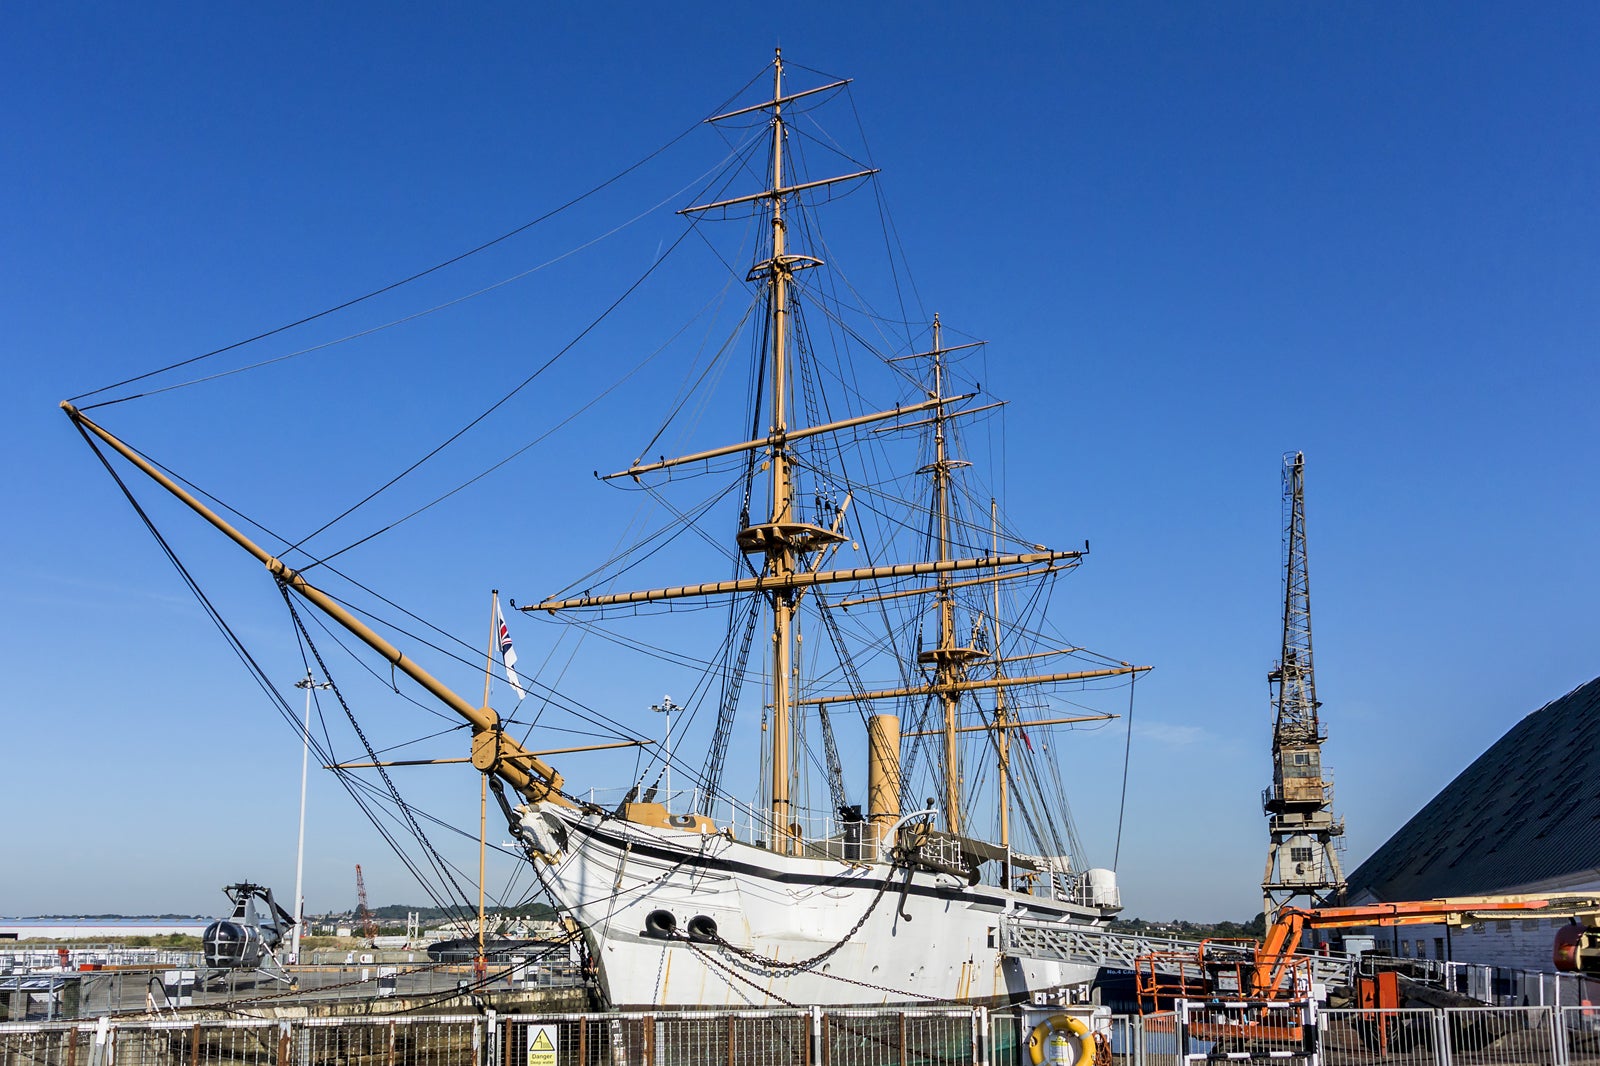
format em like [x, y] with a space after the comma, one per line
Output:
[779, 583]
[777, 193]
[903, 593]
[947, 414]
[1009, 659]
[525, 755]
[936, 350]
[973, 686]
[985, 727]
[763, 105]
[772, 442]
[492, 750]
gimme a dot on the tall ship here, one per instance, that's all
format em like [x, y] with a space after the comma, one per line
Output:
[878, 620]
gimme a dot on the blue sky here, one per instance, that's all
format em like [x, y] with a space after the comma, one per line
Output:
[1205, 234]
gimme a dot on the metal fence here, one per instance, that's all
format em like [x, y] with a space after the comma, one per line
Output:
[1497, 1036]
[54, 995]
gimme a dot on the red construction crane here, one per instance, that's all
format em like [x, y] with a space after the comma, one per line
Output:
[369, 928]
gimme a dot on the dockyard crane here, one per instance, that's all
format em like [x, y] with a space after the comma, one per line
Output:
[1301, 858]
[364, 921]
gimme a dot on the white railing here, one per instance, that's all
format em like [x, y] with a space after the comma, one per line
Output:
[811, 1036]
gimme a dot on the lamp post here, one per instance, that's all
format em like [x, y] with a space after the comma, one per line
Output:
[667, 708]
[308, 683]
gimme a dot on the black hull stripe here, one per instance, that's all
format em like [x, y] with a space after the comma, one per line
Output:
[896, 885]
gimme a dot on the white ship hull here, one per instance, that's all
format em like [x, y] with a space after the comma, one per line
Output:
[897, 936]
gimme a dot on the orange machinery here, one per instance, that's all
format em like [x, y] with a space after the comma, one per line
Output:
[1275, 970]
[1251, 985]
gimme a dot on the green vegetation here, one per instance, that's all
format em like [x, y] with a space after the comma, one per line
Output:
[169, 942]
[1255, 928]
[172, 941]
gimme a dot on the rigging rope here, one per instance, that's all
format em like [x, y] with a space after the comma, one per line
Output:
[254, 668]
[507, 397]
[1127, 751]
[432, 853]
[430, 270]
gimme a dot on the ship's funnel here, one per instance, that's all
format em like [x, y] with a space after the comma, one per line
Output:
[883, 773]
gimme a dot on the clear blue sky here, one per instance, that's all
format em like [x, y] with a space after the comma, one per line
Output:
[1207, 234]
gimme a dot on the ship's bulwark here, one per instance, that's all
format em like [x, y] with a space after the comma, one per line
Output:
[684, 918]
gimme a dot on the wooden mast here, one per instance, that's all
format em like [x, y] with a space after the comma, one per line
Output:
[949, 661]
[782, 540]
[1002, 734]
[779, 549]
[790, 547]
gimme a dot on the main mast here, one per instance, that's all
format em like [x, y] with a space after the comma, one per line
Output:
[781, 540]
[779, 547]
[791, 550]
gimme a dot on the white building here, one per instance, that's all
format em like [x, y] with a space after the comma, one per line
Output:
[54, 929]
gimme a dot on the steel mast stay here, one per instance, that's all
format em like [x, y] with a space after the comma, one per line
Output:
[492, 750]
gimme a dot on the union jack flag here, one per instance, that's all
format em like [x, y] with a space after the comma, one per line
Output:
[508, 654]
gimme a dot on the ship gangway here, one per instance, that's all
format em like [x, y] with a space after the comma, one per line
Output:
[1032, 939]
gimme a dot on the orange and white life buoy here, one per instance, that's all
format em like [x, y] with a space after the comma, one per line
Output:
[1061, 1040]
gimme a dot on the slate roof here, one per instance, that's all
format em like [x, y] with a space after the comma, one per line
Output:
[1527, 811]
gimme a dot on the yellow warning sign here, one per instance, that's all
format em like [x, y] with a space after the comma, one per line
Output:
[542, 1046]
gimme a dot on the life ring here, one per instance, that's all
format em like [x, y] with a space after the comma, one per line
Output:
[1075, 1029]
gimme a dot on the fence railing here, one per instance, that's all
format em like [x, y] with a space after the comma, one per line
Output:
[57, 995]
[804, 1037]
[1489, 1036]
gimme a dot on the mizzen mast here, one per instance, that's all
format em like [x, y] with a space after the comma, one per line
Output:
[951, 659]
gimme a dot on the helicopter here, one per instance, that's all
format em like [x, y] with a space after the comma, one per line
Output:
[246, 940]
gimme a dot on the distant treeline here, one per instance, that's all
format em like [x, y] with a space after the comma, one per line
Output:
[1185, 930]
